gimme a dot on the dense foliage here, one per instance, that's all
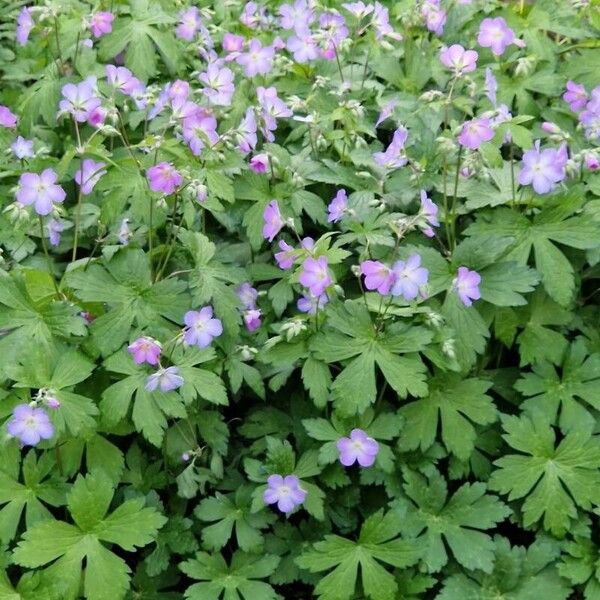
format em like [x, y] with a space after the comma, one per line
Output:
[299, 300]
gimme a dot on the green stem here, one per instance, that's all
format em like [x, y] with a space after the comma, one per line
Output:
[57, 35]
[48, 259]
[76, 50]
[454, 199]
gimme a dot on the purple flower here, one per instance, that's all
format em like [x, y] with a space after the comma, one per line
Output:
[386, 111]
[591, 161]
[303, 47]
[253, 15]
[495, 34]
[55, 228]
[285, 258]
[96, 117]
[259, 163]
[315, 275]
[201, 327]
[163, 177]
[30, 424]
[429, 211]
[166, 379]
[89, 174]
[575, 96]
[258, 60]
[285, 492]
[358, 9]
[491, 85]
[101, 23]
[337, 207]
[434, 15]
[198, 129]
[247, 295]
[7, 117]
[232, 42]
[458, 59]
[590, 117]
[377, 276]
[189, 23]
[475, 132]
[122, 79]
[381, 23]
[79, 99]
[219, 86]
[145, 350]
[297, 16]
[246, 132]
[333, 29]
[24, 26]
[359, 447]
[394, 156]
[410, 277]
[22, 148]
[272, 108]
[466, 285]
[310, 304]
[543, 169]
[273, 221]
[252, 319]
[40, 190]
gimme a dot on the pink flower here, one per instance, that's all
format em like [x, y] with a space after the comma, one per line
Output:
[96, 117]
[466, 285]
[315, 275]
[337, 207]
[163, 177]
[201, 328]
[232, 42]
[198, 129]
[359, 447]
[591, 161]
[88, 175]
[285, 492]
[145, 350]
[252, 319]
[475, 132]
[7, 118]
[273, 221]
[410, 277]
[575, 96]
[434, 15]
[122, 79]
[259, 163]
[377, 276]
[495, 34]
[458, 59]
[40, 190]
[101, 23]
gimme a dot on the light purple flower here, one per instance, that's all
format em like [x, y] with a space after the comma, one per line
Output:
[466, 285]
[590, 117]
[285, 492]
[55, 228]
[219, 86]
[303, 47]
[475, 132]
[377, 276]
[22, 148]
[101, 23]
[246, 132]
[189, 23]
[24, 26]
[434, 15]
[359, 447]
[495, 34]
[386, 111]
[491, 85]
[163, 177]
[88, 175]
[543, 169]
[232, 42]
[458, 59]
[333, 30]
[252, 319]
[166, 379]
[359, 9]
[394, 156]
[259, 163]
[429, 211]
[591, 161]
[80, 99]
[575, 96]
[247, 295]
[30, 424]
[337, 207]
[258, 60]
[122, 79]
[310, 304]
[145, 350]
[285, 258]
[315, 275]
[199, 129]
[96, 117]
[253, 15]
[201, 328]
[297, 16]
[410, 277]
[272, 108]
[40, 190]
[7, 117]
[381, 23]
[273, 221]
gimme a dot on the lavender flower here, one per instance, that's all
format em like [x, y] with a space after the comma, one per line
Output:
[122, 79]
[491, 86]
[163, 177]
[79, 99]
[246, 132]
[124, 234]
[198, 129]
[55, 228]
[575, 96]
[303, 47]
[145, 350]
[40, 190]
[247, 295]
[259, 163]
[88, 175]
[410, 277]
[359, 9]
[590, 117]
[381, 23]
[201, 327]
[434, 15]
[219, 86]
[166, 379]
[359, 447]
[309, 304]
[386, 111]
[7, 118]
[258, 60]
[475, 132]
[253, 15]
[30, 424]
[285, 258]
[189, 23]
[297, 16]
[377, 276]
[24, 26]
[101, 23]
[285, 492]
[394, 156]
[337, 207]
[429, 211]
[495, 34]
[273, 221]
[466, 285]
[543, 169]
[252, 319]
[272, 108]
[458, 59]
[315, 275]
[232, 42]
[22, 148]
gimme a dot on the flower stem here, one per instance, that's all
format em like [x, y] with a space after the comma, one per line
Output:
[48, 259]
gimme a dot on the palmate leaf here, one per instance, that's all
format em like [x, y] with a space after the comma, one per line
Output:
[236, 581]
[554, 480]
[580, 564]
[378, 543]
[459, 521]
[64, 545]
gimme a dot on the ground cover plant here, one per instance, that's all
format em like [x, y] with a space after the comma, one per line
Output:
[299, 300]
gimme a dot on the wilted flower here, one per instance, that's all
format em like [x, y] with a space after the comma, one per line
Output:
[409, 277]
[247, 295]
[337, 207]
[201, 328]
[88, 175]
[22, 148]
[394, 156]
[495, 34]
[377, 276]
[55, 228]
[30, 424]
[252, 319]
[101, 23]
[386, 111]
[359, 447]
[163, 177]
[315, 275]
[285, 492]
[166, 379]
[466, 285]
[145, 350]
[7, 117]
[458, 59]
[475, 132]
[40, 190]
[543, 169]
[273, 221]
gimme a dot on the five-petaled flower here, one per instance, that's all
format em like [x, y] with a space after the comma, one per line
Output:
[30, 424]
[466, 285]
[40, 190]
[201, 327]
[285, 492]
[359, 447]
